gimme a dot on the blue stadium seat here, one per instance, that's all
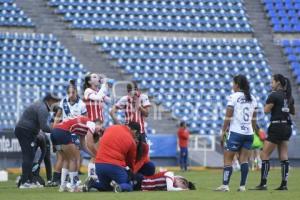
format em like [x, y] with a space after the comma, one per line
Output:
[11, 15]
[189, 75]
[214, 16]
[283, 15]
[34, 62]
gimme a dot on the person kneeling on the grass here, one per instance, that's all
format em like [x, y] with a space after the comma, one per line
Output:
[117, 149]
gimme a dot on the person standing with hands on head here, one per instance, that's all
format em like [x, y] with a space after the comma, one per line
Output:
[183, 137]
[34, 118]
[136, 107]
[280, 104]
[240, 119]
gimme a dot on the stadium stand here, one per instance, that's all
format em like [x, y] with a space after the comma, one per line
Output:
[11, 15]
[162, 15]
[283, 15]
[191, 77]
[292, 51]
[32, 61]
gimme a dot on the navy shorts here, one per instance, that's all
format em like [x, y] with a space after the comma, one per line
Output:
[236, 141]
[62, 137]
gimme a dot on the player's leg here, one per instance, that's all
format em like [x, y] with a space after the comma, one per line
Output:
[265, 167]
[283, 156]
[27, 144]
[64, 171]
[57, 169]
[120, 180]
[71, 152]
[244, 156]
[232, 146]
[47, 160]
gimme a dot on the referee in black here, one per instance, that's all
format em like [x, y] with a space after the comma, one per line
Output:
[33, 119]
[280, 104]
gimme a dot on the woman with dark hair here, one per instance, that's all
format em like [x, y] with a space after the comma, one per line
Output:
[69, 107]
[239, 122]
[95, 90]
[280, 104]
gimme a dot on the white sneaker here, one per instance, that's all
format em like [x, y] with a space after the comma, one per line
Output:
[63, 188]
[116, 187]
[27, 186]
[38, 185]
[74, 188]
[223, 188]
[242, 189]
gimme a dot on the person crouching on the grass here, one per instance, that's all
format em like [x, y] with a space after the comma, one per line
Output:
[117, 149]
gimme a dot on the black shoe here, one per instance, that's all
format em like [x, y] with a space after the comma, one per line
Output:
[282, 188]
[88, 184]
[260, 187]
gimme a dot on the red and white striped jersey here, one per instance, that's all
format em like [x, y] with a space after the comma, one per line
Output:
[157, 181]
[94, 107]
[77, 125]
[131, 109]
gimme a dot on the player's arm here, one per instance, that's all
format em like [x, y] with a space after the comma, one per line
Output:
[144, 111]
[228, 116]
[145, 105]
[89, 143]
[96, 96]
[112, 113]
[268, 107]
[272, 99]
[254, 121]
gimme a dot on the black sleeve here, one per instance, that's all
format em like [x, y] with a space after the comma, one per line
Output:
[43, 116]
[271, 98]
[292, 107]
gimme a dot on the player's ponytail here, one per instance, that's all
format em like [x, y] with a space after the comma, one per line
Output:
[86, 83]
[286, 86]
[244, 86]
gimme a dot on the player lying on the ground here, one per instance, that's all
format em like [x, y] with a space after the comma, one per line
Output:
[167, 181]
[162, 181]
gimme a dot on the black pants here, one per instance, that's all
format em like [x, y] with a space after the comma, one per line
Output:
[27, 142]
[47, 160]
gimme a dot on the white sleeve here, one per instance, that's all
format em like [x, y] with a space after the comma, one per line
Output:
[231, 101]
[145, 100]
[91, 126]
[170, 182]
[90, 94]
[61, 104]
[83, 110]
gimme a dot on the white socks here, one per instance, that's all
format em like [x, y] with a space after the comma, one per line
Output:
[73, 178]
[91, 169]
[64, 174]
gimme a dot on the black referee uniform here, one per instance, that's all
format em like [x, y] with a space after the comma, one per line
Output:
[33, 119]
[280, 128]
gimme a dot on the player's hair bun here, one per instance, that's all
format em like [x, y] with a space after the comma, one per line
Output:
[72, 82]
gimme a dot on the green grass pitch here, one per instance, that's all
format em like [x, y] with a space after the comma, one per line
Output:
[205, 181]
